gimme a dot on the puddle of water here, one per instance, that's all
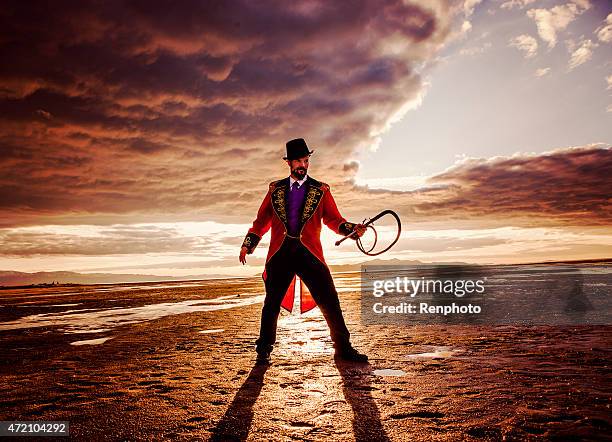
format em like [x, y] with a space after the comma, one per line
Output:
[214, 330]
[436, 353]
[347, 289]
[93, 330]
[79, 321]
[91, 341]
[389, 372]
[303, 329]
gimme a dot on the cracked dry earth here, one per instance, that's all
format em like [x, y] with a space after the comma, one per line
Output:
[118, 367]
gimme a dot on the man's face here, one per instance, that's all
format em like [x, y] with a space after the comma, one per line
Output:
[299, 167]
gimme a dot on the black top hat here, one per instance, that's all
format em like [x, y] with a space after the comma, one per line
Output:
[297, 149]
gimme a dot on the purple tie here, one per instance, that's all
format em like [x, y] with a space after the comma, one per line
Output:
[295, 186]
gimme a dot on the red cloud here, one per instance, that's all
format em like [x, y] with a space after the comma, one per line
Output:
[164, 108]
[563, 187]
[566, 186]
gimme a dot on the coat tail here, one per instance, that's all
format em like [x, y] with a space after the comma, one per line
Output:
[307, 302]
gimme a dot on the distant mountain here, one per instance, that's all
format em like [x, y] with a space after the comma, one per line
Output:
[10, 278]
[388, 262]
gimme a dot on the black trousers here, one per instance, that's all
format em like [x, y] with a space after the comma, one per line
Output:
[293, 258]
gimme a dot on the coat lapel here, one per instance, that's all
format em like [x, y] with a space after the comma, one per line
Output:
[279, 200]
[314, 194]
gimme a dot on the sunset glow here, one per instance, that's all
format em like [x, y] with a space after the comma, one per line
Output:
[142, 140]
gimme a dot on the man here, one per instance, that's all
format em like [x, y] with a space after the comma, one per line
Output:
[294, 208]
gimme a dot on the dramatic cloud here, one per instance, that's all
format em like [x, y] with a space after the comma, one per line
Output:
[581, 53]
[87, 240]
[469, 6]
[165, 108]
[551, 21]
[566, 186]
[510, 4]
[120, 121]
[604, 32]
[351, 166]
[525, 43]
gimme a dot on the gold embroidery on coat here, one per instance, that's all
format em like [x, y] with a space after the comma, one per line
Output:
[313, 197]
[278, 202]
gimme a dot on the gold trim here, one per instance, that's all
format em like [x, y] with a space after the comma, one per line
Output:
[278, 203]
[318, 195]
[313, 198]
[250, 241]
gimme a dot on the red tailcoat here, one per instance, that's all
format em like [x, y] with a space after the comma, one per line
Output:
[319, 205]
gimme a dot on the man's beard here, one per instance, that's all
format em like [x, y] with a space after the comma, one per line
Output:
[299, 172]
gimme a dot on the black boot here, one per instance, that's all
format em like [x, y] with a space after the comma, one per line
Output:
[263, 355]
[350, 354]
[263, 358]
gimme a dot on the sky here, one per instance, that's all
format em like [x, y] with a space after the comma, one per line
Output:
[140, 137]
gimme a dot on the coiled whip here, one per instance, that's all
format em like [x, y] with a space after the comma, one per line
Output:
[369, 224]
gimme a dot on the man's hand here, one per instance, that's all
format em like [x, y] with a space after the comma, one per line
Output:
[243, 252]
[359, 230]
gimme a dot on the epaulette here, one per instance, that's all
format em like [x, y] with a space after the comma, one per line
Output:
[320, 184]
[274, 184]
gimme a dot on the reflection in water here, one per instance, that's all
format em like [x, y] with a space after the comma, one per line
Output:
[236, 422]
[356, 388]
[91, 341]
[84, 320]
[577, 303]
[436, 353]
[389, 372]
